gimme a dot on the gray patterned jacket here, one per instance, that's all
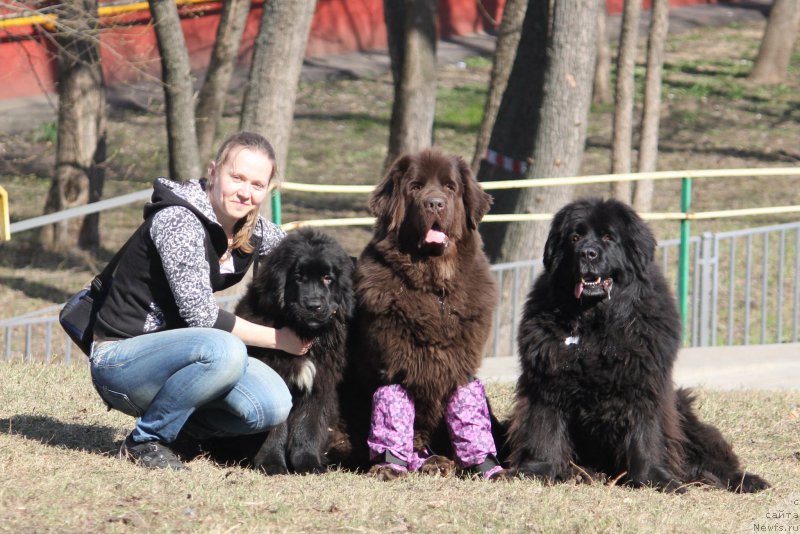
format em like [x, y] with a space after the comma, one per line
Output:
[170, 268]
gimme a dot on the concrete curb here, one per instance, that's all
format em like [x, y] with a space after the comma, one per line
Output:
[773, 367]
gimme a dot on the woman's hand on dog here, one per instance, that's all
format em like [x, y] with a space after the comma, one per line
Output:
[257, 335]
[287, 341]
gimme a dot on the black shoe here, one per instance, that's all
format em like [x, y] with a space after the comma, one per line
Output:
[150, 454]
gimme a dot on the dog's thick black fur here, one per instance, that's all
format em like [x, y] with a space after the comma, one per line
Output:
[306, 283]
[597, 344]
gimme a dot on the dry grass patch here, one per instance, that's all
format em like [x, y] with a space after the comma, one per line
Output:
[58, 473]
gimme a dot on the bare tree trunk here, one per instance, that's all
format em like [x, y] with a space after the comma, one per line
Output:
[211, 100]
[81, 146]
[776, 47]
[621, 139]
[184, 158]
[651, 112]
[270, 97]
[563, 119]
[602, 70]
[412, 48]
[542, 121]
[504, 53]
[517, 121]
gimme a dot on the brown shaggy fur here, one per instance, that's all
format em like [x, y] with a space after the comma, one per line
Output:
[423, 309]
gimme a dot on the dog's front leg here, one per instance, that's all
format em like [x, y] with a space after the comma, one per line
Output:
[539, 442]
[271, 456]
[308, 433]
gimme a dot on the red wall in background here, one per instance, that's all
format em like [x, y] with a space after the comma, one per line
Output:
[129, 48]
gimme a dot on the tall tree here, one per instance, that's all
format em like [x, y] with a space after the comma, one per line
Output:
[211, 100]
[176, 74]
[542, 121]
[776, 46]
[560, 114]
[651, 111]
[602, 70]
[505, 51]
[517, 123]
[621, 139]
[81, 144]
[411, 32]
[278, 54]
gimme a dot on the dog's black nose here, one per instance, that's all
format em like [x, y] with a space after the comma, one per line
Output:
[590, 253]
[435, 204]
[313, 304]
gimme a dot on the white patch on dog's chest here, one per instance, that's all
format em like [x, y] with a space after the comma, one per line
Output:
[571, 340]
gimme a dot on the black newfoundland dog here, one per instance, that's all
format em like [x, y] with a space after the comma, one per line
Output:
[597, 343]
[307, 285]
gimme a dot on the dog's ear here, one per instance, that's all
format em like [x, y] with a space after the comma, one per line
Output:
[386, 203]
[640, 239]
[346, 297]
[554, 246]
[270, 284]
[476, 201]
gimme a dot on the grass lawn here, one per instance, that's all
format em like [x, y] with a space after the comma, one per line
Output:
[58, 473]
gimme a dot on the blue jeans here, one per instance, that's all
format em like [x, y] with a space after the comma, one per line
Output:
[200, 378]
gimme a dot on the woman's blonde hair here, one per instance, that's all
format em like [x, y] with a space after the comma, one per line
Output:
[243, 229]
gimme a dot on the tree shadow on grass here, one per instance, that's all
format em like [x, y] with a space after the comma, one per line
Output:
[98, 439]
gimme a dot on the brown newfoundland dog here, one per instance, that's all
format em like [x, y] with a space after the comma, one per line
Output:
[599, 337]
[424, 292]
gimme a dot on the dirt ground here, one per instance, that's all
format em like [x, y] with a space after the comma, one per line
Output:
[712, 118]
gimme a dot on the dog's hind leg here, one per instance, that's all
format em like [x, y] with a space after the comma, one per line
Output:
[271, 456]
[709, 457]
[645, 459]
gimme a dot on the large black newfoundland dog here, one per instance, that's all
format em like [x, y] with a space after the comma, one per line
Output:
[307, 285]
[597, 343]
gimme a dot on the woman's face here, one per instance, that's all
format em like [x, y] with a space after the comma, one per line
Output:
[239, 185]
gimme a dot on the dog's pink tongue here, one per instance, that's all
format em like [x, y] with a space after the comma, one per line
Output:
[434, 236]
[578, 290]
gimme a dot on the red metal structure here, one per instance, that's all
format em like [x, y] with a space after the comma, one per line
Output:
[129, 51]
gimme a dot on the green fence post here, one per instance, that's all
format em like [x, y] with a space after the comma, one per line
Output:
[683, 265]
[276, 207]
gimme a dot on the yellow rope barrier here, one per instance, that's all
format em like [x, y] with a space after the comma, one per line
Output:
[576, 180]
[573, 180]
[632, 177]
[49, 20]
[326, 188]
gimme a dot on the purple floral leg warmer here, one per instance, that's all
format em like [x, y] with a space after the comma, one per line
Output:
[470, 426]
[392, 426]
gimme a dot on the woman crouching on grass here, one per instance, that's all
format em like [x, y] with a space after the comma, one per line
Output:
[164, 351]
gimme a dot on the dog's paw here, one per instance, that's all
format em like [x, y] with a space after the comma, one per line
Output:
[673, 486]
[499, 475]
[438, 466]
[387, 472]
[273, 469]
[307, 462]
[750, 483]
[544, 472]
